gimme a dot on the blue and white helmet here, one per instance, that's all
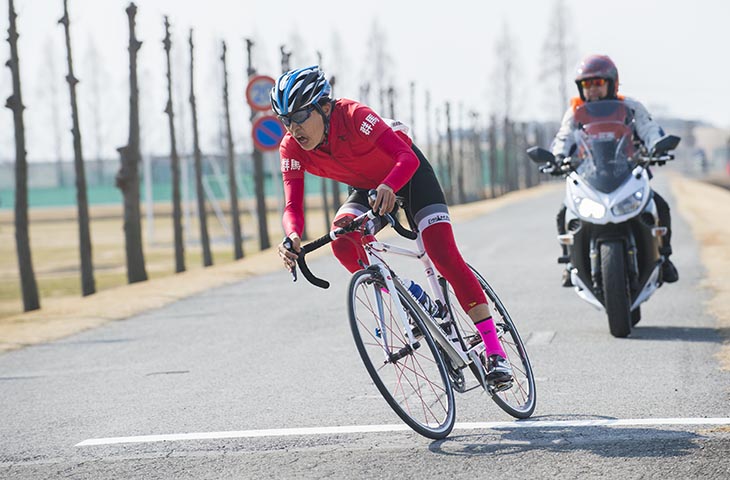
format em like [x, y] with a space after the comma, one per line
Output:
[297, 89]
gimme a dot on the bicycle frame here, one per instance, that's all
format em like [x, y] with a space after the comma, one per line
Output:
[459, 357]
[449, 342]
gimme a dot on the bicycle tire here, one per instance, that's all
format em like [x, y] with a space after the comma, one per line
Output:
[416, 383]
[520, 400]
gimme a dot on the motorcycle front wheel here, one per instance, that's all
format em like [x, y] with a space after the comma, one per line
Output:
[616, 294]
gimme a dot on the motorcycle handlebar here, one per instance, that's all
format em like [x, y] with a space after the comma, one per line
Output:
[566, 165]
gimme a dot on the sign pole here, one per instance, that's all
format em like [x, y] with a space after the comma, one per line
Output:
[258, 170]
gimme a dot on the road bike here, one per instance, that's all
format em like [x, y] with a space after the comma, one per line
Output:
[415, 358]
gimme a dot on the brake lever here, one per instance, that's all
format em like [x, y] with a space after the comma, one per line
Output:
[289, 245]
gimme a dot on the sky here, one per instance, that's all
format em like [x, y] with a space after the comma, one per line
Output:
[670, 56]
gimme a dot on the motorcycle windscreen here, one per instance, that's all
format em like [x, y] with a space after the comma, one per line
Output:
[604, 144]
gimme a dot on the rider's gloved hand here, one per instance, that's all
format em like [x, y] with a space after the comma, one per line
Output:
[290, 258]
[384, 201]
[562, 163]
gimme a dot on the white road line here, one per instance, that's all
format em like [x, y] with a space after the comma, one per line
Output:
[283, 432]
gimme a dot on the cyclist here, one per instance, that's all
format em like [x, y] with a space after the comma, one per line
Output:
[597, 79]
[347, 141]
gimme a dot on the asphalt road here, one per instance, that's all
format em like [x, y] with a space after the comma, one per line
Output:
[249, 380]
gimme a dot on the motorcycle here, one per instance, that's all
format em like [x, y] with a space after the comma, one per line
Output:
[611, 222]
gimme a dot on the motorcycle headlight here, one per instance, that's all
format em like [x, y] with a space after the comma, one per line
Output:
[589, 208]
[628, 204]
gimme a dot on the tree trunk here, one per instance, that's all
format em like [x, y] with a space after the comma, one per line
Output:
[336, 202]
[509, 166]
[258, 175]
[87, 269]
[450, 197]
[28, 284]
[492, 157]
[174, 162]
[202, 216]
[325, 205]
[232, 189]
[461, 165]
[127, 178]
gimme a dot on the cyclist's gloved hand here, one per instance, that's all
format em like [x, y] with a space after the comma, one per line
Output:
[384, 201]
[288, 249]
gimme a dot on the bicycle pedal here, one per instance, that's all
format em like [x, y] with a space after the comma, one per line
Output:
[474, 341]
[501, 387]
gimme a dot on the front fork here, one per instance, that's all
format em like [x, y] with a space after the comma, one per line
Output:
[382, 272]
[632, 263]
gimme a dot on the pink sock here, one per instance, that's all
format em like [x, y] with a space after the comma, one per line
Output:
[489, 336]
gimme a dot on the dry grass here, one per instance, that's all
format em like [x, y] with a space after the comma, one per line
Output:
[54, 246]
[707, 209]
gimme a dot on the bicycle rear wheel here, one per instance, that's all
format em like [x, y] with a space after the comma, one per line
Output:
[412, 379]
[519, 399]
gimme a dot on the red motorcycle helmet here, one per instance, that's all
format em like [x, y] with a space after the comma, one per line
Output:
[598, 66]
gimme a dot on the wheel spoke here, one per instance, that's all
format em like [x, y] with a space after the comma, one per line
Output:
[519, 399]
[414, 382]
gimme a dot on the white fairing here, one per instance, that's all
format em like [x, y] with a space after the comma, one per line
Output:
[577, 190]
[649, 288]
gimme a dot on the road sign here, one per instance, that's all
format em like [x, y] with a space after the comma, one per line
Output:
[267, 132]
[257, 92]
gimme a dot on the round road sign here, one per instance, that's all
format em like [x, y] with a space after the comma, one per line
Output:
[257, 92]
[267, 132]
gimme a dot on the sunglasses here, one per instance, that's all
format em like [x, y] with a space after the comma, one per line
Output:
[598, 82]
[299, 117]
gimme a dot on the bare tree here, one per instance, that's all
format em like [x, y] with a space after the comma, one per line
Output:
[14, 102]
[559, 54]
[379, 63]
[505, 74]
[202, 216]
[461, 165]
[440, 169]
[127, 178]
[87, 269]
[391, 101]
[342, 63]
[232, 189]
[478, 173]
[450, 197]
[412, 90]
[53, 104]
[174, 161]
[285, 58]
[324, 181]
[493, 172]
[98, 80]
[429, 140]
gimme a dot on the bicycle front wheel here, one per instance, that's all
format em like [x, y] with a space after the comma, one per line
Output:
[519, 399]
[412, 378]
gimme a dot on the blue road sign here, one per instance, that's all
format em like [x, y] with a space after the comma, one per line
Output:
[257, 92]
[267, 132]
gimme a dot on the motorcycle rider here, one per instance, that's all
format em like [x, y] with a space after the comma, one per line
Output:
[597, 79]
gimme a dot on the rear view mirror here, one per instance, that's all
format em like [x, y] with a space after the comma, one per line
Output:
[666, 143]
[540, 155]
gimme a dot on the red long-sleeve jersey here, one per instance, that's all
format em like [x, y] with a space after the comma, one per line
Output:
[362, 150]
